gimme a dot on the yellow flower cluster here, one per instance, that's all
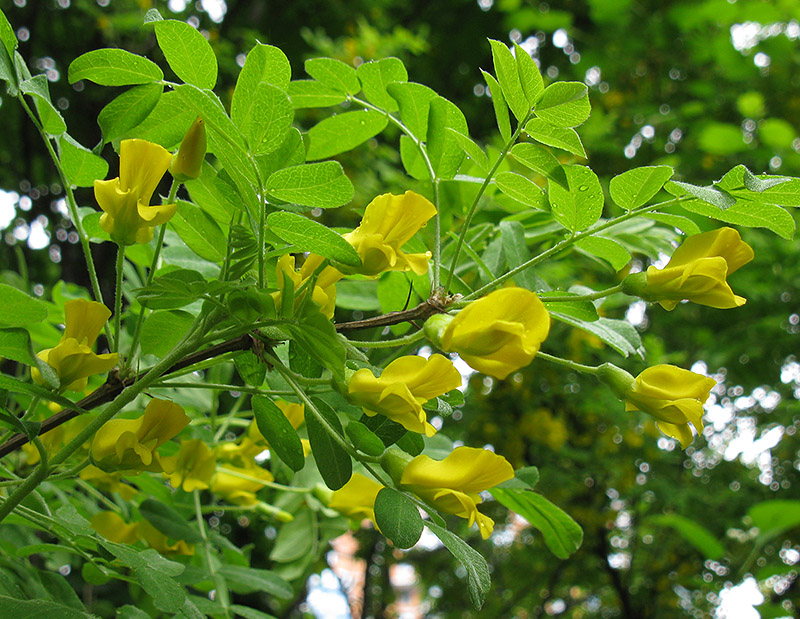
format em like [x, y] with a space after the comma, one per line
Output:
[111, 526]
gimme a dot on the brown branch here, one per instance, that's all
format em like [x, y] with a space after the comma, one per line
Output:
[115, 384]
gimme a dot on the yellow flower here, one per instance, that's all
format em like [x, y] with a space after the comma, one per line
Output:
[239, 484]
[497, 334]
[324, 293]
[72, 358]
[131, 444]
[192, 467]
[108, 482]
[403, 387]
[672, 395]
[125, 200]
[356, 499]
[455, 483]
[697, 271]
[188, 161]
[111, 526]
[389, 222]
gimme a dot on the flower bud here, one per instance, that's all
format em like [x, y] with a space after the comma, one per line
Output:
[616, 379]
[188, 161]
[434, 328]
[394, 462]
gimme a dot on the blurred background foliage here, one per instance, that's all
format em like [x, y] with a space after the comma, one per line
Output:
[700, 85]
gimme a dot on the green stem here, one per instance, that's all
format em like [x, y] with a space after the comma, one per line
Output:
[173, 194]
[437, 225]
[229, 418]
[474, 206]
[568, 242]
[266, 484]
[118, 298]
[573, 365]
[219, 581]
[400, 341]
[217, 386]
[72, 206]
[311, 408]
[29, 485]
[584, 297]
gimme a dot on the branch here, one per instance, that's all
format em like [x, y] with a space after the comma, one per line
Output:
[115, 384]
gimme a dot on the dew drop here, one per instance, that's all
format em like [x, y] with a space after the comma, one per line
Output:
[583, 188]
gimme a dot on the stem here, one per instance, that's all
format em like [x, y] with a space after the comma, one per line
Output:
[219, 581]
[29, 485]
[173, 194]
[204, 385]
[400, 341]
[584, 297]
[72, 206]
[568, 242]
[474, 206]
[266, 484]
[118, 297]
[573, 365]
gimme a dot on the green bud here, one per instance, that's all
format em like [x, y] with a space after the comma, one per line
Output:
[394, 462]
[323, 493]
[616, 379]
[188, 161]
[434, 328]
[635, 285]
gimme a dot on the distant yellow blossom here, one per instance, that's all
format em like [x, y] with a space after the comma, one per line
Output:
[192, 467]
[324, 293]
[356, 499]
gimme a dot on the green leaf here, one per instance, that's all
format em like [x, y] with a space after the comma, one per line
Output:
[711, 195]
[478, 579]
[473, 151]
[619, 334]
[168, 521]
[775, 517]
[529, 76]
[332, 460]
[172, 290]
[564, 104]
[81, 166]
[414, 101]
[515, 248]
[364, 439]
[250, 613]
[776, 133]
[754, 183]
[748, 213]
[387, 430]
[343, 132]
[264, 64]
[32, 609]
[167, 594]
[413, 443]
[318, 185]
[166, 124]
[398, 518]
[162, 330]
[308, 93]
[16, 344]
[293, 541]
[38, 88]
[308, 235]
[412, 160]
[114, 67]
[582, 205]
[561, 533]
[19, 309]
[267, 120]
[693, 532]
[444, 150]
[334, 73]
[280, 434]
[357, 295]
[30, 429]
[564, 138]
[607, 249]
[499, 105]
[252, 369]
[505, 67]
[540, 160]
[375, 76]
[199, 231]
[187, 52]
[7, 35]
[635, 187]
[253, 579]
[521, 189]
[684, 224]
[584, 311]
